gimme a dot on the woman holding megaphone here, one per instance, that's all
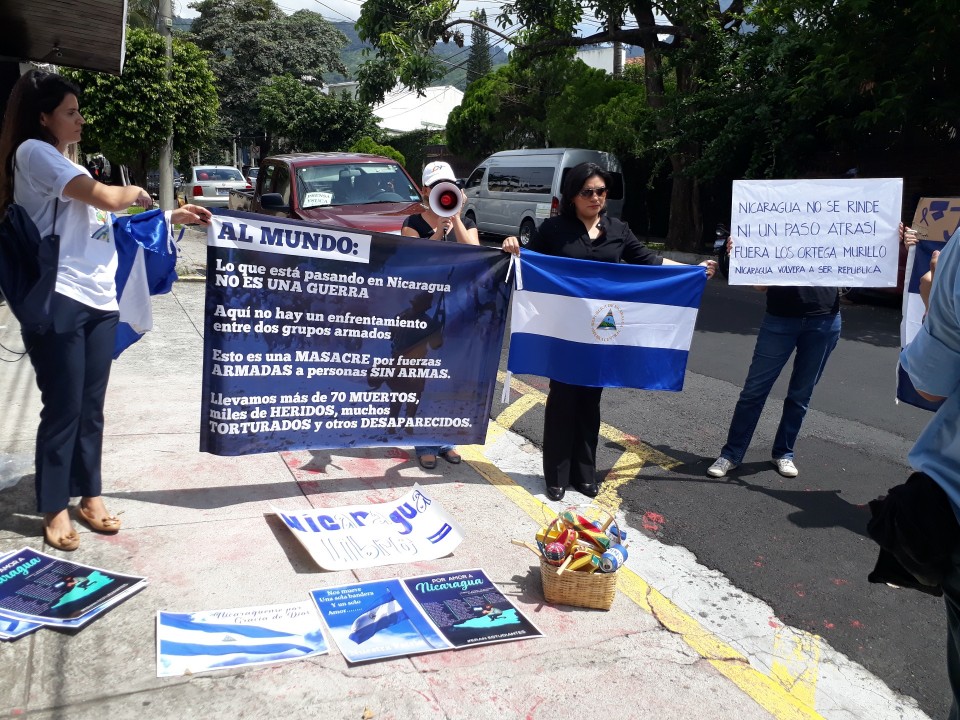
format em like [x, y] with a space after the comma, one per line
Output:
[442, 202]
[440, 220]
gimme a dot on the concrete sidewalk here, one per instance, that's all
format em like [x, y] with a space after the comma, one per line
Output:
[199, 527]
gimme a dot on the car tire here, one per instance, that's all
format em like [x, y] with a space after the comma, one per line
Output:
[527, 228]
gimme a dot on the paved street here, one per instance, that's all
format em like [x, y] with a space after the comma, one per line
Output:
[798, 545]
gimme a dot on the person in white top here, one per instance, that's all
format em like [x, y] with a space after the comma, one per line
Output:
[72, 359]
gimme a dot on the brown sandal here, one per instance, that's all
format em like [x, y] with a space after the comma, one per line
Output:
[108, 525]
[68, 542]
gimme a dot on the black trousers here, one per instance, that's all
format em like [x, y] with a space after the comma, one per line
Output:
[72, 362]
[571, 428]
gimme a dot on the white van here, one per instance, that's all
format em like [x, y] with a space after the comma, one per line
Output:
[512, 192]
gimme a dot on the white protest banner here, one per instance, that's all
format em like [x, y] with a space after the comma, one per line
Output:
[829, 233]
[360, 536]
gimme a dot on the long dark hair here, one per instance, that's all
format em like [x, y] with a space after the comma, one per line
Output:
[35, 92]
[576, 178]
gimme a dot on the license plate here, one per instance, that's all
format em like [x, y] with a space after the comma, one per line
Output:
[223, 191]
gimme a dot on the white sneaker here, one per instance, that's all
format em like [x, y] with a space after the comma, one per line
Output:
[785, 467]
[721, 466]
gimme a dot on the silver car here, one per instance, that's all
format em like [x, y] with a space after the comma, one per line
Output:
[210, 185]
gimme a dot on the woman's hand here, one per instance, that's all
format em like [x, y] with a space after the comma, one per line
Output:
[511, 245]
[908, 236]
[711, 266]
[143, 199]
[443, 227]
[191, 215]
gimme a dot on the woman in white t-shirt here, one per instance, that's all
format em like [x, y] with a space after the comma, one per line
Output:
[72, 359]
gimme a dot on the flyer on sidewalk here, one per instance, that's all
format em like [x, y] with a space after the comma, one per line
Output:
[40, 588]
[414, 527]
[11, 628]
[448, 611]
[189, 643]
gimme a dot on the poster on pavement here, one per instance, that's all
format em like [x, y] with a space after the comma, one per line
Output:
[324, 337]
[445, 611]
[40, 588]
[188, 643]
[827, 233]
[413, 528]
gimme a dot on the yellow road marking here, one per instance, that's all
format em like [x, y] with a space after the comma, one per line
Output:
[788, 693]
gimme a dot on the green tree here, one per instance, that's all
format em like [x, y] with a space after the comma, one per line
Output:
[143, 14]
[303, 119]
[252, 41]
[506, 108]
[128, 117]
[680, 53]
[368, 145]
[478, 62]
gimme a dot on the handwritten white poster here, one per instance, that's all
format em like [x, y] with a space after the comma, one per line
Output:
[831, 233]
[413, 528]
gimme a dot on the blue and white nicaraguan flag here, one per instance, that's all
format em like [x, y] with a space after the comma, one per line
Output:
[386, 613]
[918, 262]
[147, 259]
[602, 324]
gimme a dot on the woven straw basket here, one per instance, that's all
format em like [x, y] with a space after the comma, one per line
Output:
[580, 589]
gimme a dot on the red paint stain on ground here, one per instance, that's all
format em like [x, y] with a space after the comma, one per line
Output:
[856, 624]
[828, 625]
[533, 709]
[759, 561]
[799, 591]
[840, 581]
[652, 521]
[774, 624]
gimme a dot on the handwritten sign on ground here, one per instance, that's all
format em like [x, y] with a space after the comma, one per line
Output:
[830, 233]
[413, 528]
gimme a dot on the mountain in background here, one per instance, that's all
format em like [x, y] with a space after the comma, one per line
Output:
[453, 57]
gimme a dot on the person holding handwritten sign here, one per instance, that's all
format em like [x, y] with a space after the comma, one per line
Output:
[805, 319]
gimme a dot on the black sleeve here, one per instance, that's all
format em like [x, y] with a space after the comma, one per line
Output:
[635, 252]
[538, 241]
[468, 223]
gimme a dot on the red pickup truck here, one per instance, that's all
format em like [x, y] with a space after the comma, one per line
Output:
[354, 190]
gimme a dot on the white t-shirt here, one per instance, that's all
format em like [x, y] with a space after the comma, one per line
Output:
[88, 257]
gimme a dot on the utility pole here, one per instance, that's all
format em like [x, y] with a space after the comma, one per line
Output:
[617, 59]
[167, 201]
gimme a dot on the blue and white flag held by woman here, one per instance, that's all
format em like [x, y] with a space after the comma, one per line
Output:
[603, 324]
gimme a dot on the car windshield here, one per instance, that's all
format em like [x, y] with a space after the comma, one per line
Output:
[219, 174]
[354, 184]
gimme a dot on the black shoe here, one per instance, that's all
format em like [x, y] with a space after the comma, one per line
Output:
[555, 493]
[589, 490]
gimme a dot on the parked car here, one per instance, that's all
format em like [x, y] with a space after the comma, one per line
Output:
[153, 182]
[512, 192]
[353, 190]
[252, 175]
[210, 185]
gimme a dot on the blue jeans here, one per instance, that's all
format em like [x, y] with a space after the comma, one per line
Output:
[814, 338]
[432, 449]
